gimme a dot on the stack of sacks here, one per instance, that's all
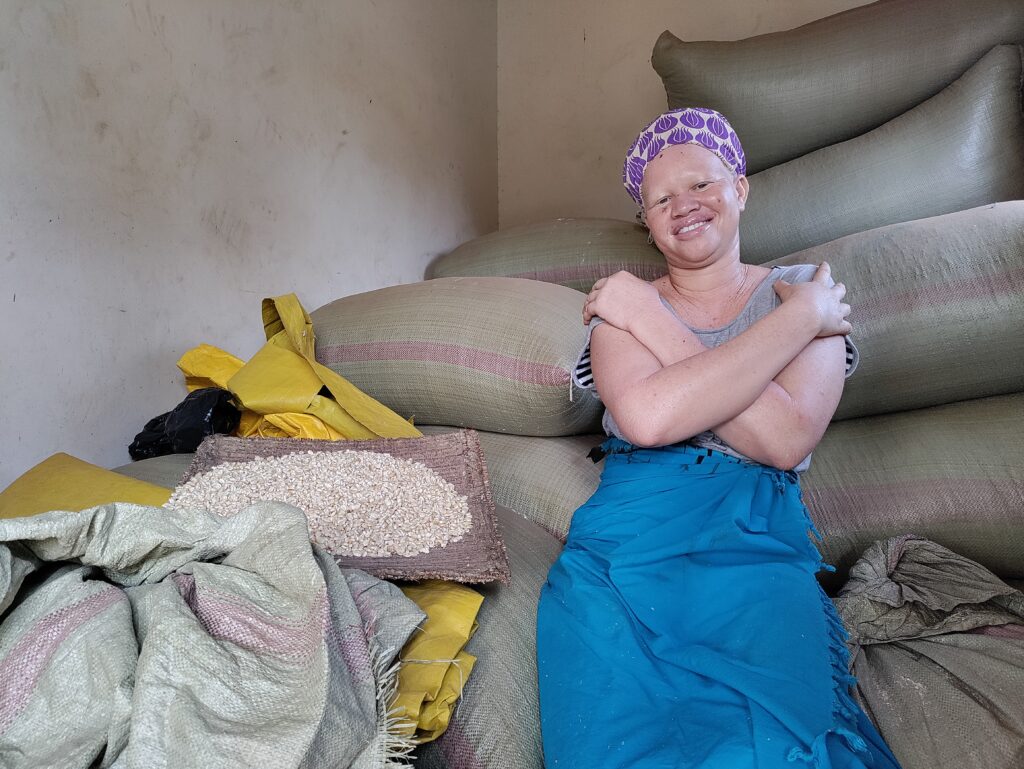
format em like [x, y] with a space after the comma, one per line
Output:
[931, 437]
[835, 78]
[897, 159]
[890, 160]
[489, 353]
[886, 140]
[898, 110]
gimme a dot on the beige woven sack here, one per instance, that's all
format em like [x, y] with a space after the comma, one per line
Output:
[571, 252]
[788, 93]
[488, 353]
[938, 308]
[953, 474]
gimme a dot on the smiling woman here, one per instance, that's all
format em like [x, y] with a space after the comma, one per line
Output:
[685, 601]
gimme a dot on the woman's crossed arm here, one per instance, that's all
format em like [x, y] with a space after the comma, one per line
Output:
[769, 393]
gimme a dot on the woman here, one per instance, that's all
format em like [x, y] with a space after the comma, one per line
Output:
[682, 625]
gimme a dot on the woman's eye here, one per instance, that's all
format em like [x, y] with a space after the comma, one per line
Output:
[661, 201]
[702, 185]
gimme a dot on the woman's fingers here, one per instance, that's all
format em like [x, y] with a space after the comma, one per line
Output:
[823, 274]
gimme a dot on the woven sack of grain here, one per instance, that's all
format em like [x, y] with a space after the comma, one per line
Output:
[488, 353]
[571, 252]
[497, 722]
[953, 474]
[958, 150]
[543, 479]
[937, 308]
[788, 93]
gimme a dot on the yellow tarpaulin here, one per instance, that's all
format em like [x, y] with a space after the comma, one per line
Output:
[64, 482]
[284, 392]
[434, 666]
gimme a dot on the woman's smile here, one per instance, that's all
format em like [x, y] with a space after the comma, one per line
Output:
[694, 204]
[693, 228]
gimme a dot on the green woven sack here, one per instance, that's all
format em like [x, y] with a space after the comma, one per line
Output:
[488, 353]
[953, 474]
[571, 252]
[937, 308]
[789, 93]
[960, 149]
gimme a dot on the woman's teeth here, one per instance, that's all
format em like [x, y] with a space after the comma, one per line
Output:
[692, 227]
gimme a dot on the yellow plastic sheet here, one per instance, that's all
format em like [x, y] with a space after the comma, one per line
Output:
[434, 666]
[64, 482]
[208, 366]
[284, 392]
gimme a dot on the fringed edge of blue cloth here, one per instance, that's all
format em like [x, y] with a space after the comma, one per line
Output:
[844, 709]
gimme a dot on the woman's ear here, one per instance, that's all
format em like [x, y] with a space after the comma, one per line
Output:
[742, 191]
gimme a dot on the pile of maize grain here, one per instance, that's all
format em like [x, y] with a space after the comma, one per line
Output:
[358, 503]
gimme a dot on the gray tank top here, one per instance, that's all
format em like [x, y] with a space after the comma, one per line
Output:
[761, 302]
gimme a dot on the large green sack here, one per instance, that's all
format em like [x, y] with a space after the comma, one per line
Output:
[488, 353]
[788, 93]
[960, 149]
[571, 252]
[938, 308]
[953, 474]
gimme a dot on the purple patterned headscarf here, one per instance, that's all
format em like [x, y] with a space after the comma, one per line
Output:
[692, 125]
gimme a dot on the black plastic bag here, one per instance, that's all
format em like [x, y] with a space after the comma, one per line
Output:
[203, 412]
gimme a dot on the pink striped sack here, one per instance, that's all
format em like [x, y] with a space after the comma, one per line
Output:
[487, 353]
[570, 252]
[953, 474]
[936, 308]
[150, 637]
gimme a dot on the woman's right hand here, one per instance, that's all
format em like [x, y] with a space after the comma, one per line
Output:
[618, 299]
[823, 297]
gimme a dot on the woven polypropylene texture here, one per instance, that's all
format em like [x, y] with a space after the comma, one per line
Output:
[571, 252]
[936, 308]
[939, 655]
[479, 556]
[487, 353]
[147, 637]
[543, 479]
[959, 149]
[496, 725]
[953, 474]
[788, 93]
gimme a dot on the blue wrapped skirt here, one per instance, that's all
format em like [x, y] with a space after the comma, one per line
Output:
[682, 626]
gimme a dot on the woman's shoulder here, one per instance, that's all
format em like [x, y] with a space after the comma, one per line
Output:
[794, 273]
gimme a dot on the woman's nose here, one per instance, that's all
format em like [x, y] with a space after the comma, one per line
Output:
[683, 205]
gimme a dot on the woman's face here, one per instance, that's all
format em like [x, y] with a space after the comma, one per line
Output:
[692, 202]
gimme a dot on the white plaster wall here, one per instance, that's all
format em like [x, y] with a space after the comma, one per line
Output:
[167, 164]
[575, 85]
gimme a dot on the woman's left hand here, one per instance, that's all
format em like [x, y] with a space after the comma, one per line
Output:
[619, 298]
